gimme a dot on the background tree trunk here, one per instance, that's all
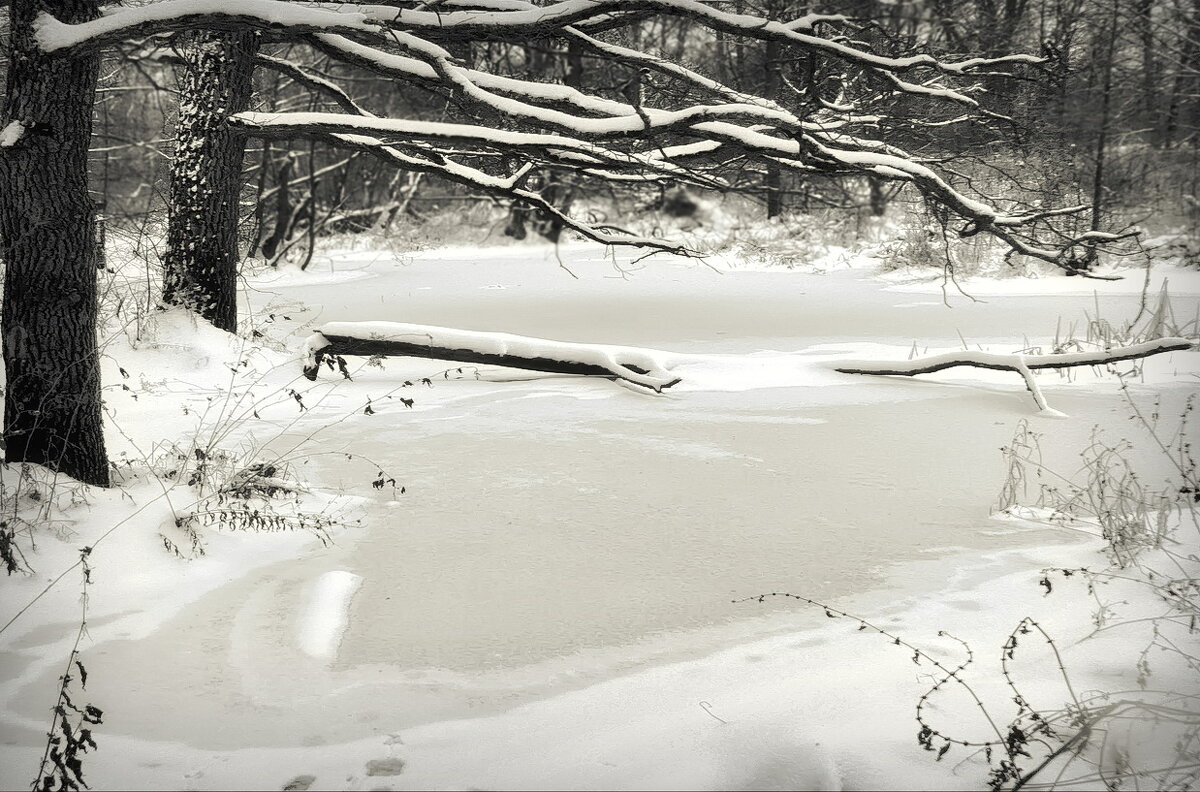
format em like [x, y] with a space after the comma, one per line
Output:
[1106, 92]
[278, 237]
[773, 178]
[1144, 10]
[200, 266]
[52, 409]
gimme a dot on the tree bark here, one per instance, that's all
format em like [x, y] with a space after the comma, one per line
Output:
[201, 263]
[52, 407]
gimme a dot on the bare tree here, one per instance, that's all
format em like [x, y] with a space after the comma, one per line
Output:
[695, 125]
[682, 126]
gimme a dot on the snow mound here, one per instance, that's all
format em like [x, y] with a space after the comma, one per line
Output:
[325, 617]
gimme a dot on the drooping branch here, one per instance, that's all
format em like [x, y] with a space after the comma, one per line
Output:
[558, 149]
[393, 339]
[518, 24]
[425, 160]
[738, 125]
[512, 23]
[1022, 364]
[694, 126]
[432, 162]
[799, 151]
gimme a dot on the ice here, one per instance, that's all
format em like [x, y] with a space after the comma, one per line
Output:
[551, 602]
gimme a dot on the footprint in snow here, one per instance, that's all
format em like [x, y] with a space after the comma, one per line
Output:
[385, 767]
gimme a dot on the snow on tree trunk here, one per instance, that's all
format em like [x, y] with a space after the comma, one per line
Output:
[393, 339]
[52, 410]
[200, 266]
[1022, 364]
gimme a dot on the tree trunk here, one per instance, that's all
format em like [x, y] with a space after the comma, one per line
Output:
[52, 408]
[200, 266]
[1102, 136]
[1144, 10]
[1184, 104]
[773, 180]
[878, 198]
[283, 211]
[772, 84]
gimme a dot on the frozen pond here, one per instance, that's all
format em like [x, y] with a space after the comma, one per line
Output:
[557, 516]
[558, 531]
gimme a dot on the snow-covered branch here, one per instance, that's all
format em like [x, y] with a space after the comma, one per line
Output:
[1022, 364]
[735, 125]
[521, 24]
[119, 24]
[393, 339]
[507, 186]
[691, 126]
[489, 21]
[556, 148]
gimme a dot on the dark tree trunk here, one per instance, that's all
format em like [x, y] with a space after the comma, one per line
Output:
[1150, 101]
[52, 408]
[1098, 174]
[200, 267]
[518, 217]
[1184, 106]
[878, 198]
[774, 188]
[773, 179]
[283, 211]
[264, 161]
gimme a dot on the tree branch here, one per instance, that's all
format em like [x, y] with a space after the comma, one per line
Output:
[1022, 364]
[393, 339]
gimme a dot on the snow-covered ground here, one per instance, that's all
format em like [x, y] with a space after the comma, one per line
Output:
[551, 602]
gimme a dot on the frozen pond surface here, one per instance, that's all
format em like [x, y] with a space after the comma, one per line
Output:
[559, 531]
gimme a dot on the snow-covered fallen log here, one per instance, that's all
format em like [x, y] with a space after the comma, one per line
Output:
[396, 339]
[1024, 365]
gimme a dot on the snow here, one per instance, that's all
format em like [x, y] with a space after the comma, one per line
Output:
[411, 128]
[551, 602]
[11, 134]
[326, 614]
[323, 270]
[53, 35]
[1178, 279]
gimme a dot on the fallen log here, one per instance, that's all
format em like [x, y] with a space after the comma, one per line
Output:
[1024, 365]
[395, 339]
